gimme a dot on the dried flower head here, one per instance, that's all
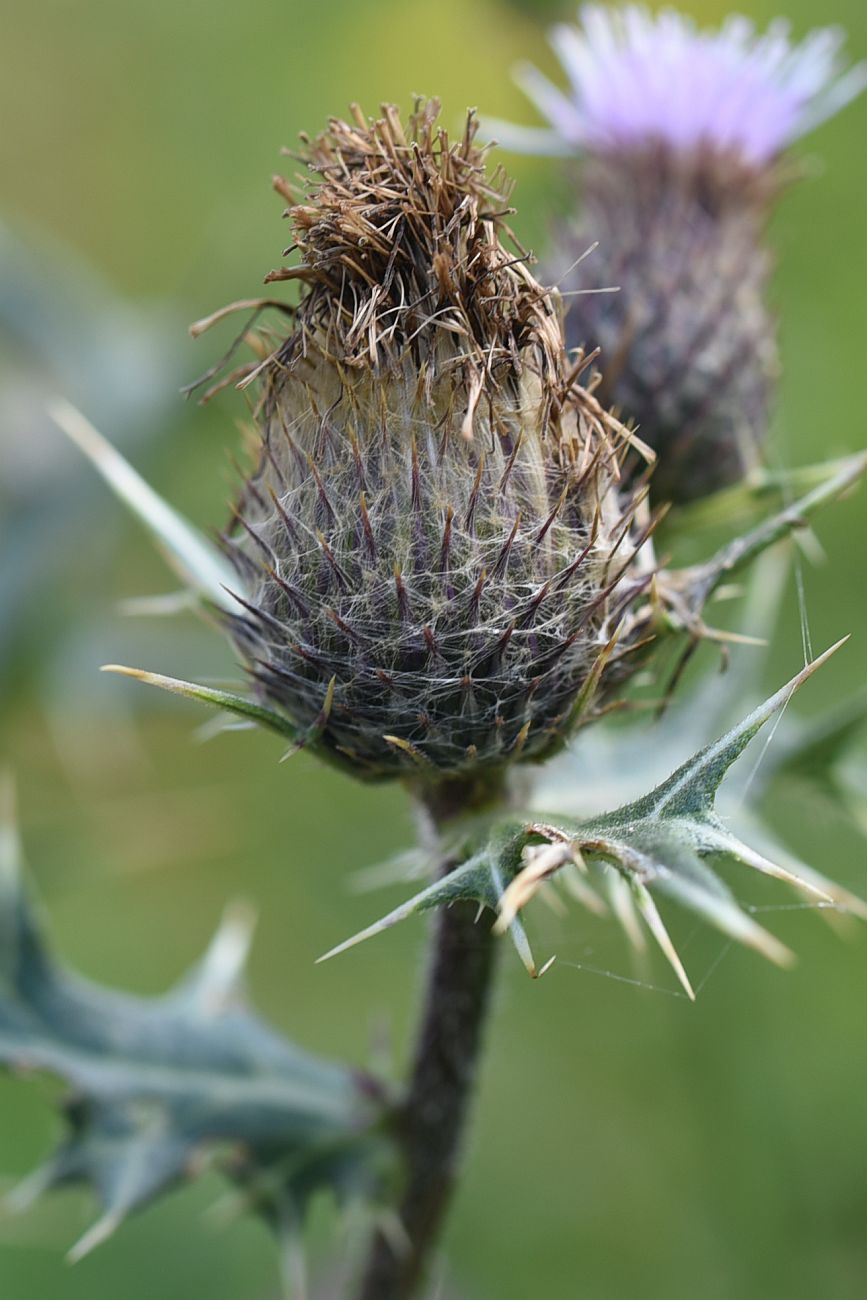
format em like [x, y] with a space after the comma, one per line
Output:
[680, 133]
[433, 543]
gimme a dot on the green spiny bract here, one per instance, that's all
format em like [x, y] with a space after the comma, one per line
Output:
[433, 545]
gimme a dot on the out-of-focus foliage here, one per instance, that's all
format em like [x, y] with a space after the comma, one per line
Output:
[158, 1086]
[62, 328]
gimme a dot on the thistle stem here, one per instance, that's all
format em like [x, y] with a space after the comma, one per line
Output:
[433, 1115]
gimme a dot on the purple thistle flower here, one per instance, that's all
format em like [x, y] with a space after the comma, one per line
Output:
[636, 78]
[678, 131]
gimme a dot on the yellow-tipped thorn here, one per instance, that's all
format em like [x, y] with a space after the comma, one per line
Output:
[656, 925]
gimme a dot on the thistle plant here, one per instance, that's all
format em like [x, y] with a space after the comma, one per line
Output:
[433, 541]
[675, 176]
[439, 570]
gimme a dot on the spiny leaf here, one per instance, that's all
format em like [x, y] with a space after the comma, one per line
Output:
[541, 863]
[623, 906]
[817, 751]
[657, 843]
[700, 581]
[226, 700]
[462, 885]
[481, 879]
[691, 789]
[808, 880]
[249, 711]
[669, 863]
[156, 1082]
[189, 552]
[710, 836]
[572, 877]
[656, 925]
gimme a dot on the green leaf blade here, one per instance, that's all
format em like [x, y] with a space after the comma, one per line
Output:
[197, 560]
[157, 1082]
[241, 706]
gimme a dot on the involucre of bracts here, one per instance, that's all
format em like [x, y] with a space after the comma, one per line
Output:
[688, 341]
[434, 544]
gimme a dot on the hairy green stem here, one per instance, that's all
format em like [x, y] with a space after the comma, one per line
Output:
[433, 1115]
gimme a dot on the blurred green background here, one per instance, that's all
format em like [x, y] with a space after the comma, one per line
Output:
[627, 1143]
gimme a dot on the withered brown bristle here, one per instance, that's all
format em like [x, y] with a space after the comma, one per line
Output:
[434, 523]
[403, 234]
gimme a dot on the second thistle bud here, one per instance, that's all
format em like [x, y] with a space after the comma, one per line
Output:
[432, 538]
[688, 342]
[678, 135]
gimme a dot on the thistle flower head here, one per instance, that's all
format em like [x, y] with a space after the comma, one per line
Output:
[432, 537]
[679, 132]
[638, 78]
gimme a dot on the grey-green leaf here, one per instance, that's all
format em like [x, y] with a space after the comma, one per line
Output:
[158, 1082]
[692, 788]
[663, 842]
[482, 879]
[197, 560]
